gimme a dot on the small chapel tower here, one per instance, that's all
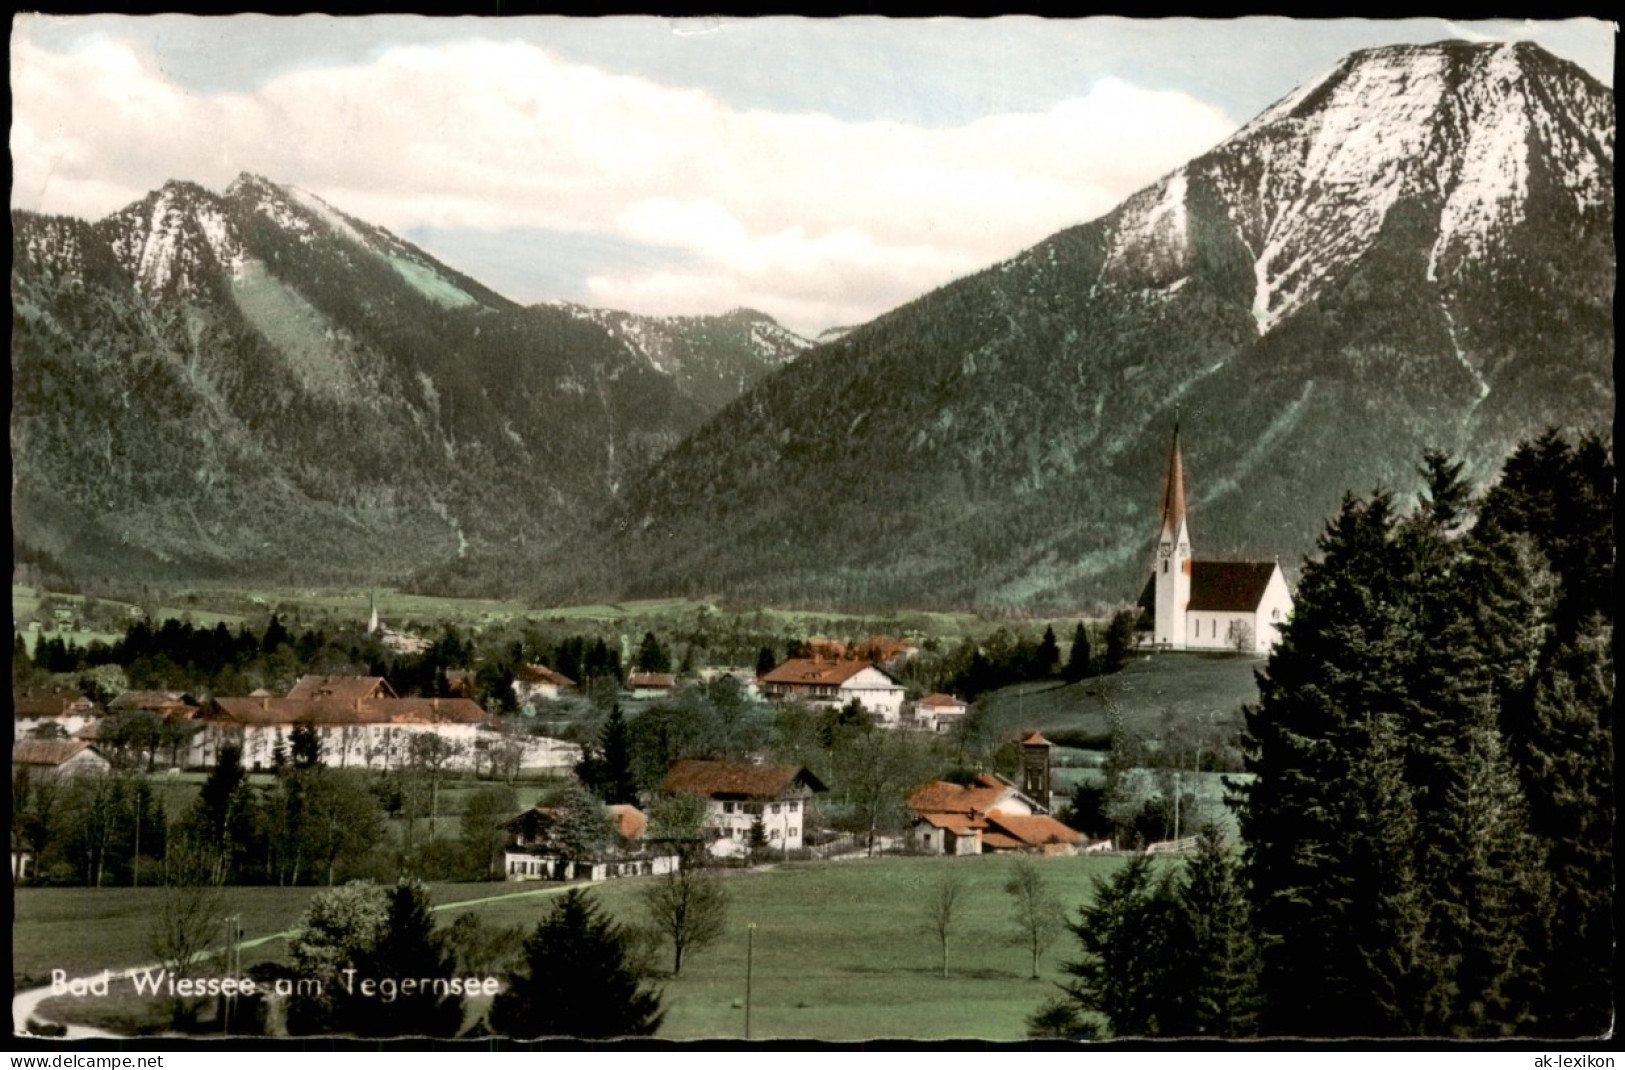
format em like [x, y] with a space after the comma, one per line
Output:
[1172, 564]
[1035, 769]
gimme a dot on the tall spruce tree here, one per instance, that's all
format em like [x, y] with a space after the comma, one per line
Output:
[1078, 659]
[1545, 546]
[1222, 957]
[407, 948]
[576, 980]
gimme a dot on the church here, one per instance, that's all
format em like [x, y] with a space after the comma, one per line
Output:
[1189, 604]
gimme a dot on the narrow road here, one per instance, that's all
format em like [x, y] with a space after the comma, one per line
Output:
[25, 1005]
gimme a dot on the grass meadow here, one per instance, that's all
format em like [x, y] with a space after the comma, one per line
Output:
[839, 949]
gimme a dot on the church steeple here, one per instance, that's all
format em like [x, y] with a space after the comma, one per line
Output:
[1172, 564]
[1173, 494]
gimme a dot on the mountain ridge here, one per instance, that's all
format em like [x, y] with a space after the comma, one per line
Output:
[1342, 283]
[354, 394]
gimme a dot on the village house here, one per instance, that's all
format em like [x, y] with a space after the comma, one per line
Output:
[833, 684]
[648, 685]
[1188, 604]
[938, 712]
[67, 709]
[738, 795]
[533, 854]
[165, 705]
[533, 682]
[990, 815]
[57, 758]
[987, 816]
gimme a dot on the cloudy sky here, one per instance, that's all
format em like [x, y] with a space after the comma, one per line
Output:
[822, 171]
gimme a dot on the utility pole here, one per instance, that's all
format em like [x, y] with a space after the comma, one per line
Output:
[750, 948]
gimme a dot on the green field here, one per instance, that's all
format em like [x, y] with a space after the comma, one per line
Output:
[839, 949]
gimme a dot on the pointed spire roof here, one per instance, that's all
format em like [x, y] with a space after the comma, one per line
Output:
[1173, 493]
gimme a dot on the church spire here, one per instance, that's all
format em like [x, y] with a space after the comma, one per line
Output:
[1173, 493]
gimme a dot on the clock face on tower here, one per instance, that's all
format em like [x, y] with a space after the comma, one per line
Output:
[1164, 550]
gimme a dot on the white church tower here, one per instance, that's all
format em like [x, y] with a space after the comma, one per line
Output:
[1172, 564]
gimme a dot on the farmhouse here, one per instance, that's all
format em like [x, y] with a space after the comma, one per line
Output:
[533, 851]
[57, 758]
[986, 816]
[166, 705]
[68, 709]
[1207, 605]
[937, 712]
[738, 795]
[832, 684]
[532, 682]
[651, 684]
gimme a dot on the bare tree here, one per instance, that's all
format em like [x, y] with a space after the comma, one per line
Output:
[944, 901]
[689, 906]
[1239, 637]
[190, 916]
[431, 754]
[1038, 914]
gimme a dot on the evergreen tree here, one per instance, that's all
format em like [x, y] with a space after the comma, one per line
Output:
[407, 948]
[1128, 974]
[576, 980]
[1048, 657]
[1078, 665]
[1119, 640]
[1222, 958]
[652, 657]
[765, 661]
[616, 784]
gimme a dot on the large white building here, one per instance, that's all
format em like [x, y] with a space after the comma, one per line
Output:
[1208, 605]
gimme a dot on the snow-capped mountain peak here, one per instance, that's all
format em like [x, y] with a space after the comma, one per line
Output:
[1461, 129]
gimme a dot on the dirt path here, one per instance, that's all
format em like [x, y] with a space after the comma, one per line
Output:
[25, 1005]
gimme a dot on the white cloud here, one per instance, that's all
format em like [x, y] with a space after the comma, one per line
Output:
[804, 216]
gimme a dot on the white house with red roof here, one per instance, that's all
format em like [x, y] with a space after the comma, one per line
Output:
[1189, 604]
[737, 795]
[831, 684]
[989, 815]
[938, 712]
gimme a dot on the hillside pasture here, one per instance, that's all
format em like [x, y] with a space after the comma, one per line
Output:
[1177, 685]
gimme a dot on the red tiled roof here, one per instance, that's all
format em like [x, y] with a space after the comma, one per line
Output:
[1229, 586]
[341, 688]
[359, 711]
[811, 672]
[939, 699]
[999, 839]
[1034, 830]
[1033, 739]
[946, 797]
[52, 752]
[651, 679]
[712, 779]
